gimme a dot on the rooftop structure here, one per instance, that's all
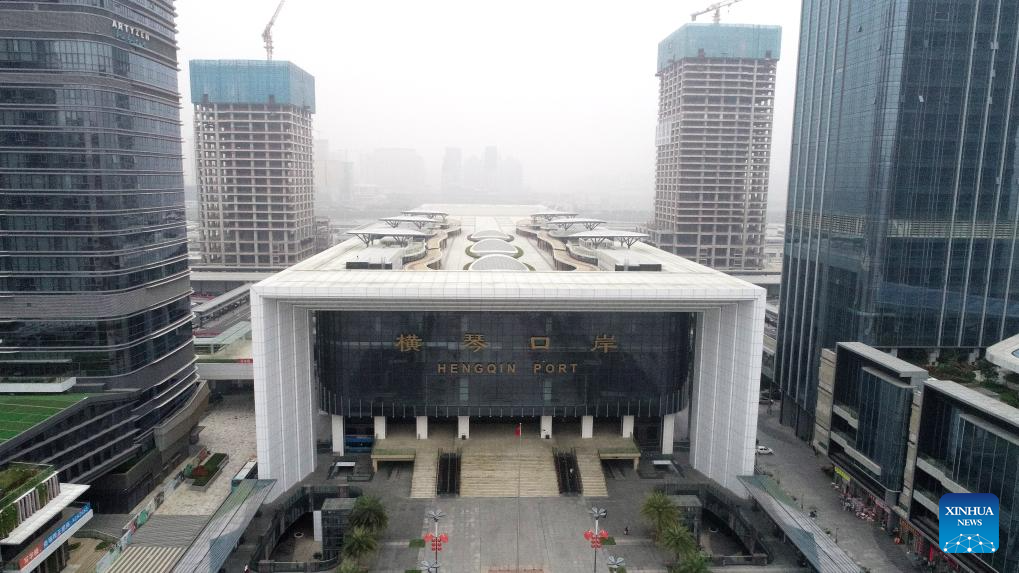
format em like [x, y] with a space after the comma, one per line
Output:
[20, 412]
[413, 332]
[265, 82]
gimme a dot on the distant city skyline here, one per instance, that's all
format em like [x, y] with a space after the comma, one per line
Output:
[575, 103]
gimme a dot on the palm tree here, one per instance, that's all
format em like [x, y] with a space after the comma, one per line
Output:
[678, 540]
[369, 513]
[694, 562]
[659, 511]
[358, 543]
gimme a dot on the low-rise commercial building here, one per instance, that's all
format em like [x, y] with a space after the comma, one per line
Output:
[899, 440]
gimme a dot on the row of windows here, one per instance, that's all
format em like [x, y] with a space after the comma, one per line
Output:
[93, 284]
[96, 142]
[91, 264]
[88, 161]
[104, 183]
[123, 9]
[84, 244]
[75, 334]
[94, 222]
[85, 56]
[110, 363]
[111, 201]
[93, 120]
[77, 97]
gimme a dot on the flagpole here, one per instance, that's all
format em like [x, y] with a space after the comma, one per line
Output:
[520, 439]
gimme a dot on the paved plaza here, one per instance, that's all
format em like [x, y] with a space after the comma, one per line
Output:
[229, 429]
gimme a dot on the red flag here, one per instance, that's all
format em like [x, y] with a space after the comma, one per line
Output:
[517, 431]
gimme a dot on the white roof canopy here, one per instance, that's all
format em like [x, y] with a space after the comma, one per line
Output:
[598, 236]
[417, 220]
[568, 222]
[427, 213]
[367, 236]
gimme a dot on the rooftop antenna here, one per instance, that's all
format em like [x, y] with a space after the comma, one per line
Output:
[267, 33]
[716, 8]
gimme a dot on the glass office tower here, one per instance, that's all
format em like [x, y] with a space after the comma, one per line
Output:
[901, 222]
[94, 284]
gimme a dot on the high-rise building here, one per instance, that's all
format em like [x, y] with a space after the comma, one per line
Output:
[253, 149]
[94, 287]
[902, 212]
[452, 170]
[715, 101]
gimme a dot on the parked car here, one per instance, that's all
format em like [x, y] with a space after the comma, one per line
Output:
[764, 450]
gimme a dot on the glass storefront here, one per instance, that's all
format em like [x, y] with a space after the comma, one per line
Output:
[503, 363]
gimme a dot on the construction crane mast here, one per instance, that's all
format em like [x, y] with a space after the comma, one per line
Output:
[716, 8]
[267, 33]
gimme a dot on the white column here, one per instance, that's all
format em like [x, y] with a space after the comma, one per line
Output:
[463, 427]
[546, 427]
[380, 427]
[668, 429]
[337, 423]
[422, 427]
[628, 426]
[587, 426]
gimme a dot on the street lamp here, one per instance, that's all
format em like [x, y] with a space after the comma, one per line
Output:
[436, 539]
[597, 535]
[615, 563]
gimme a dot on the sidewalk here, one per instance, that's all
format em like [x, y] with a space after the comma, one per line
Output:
[798, 471]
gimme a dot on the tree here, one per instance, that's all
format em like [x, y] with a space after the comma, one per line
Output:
[660, 512]
[678, 540]
[694, 562]
[359, 543]
[369, 513]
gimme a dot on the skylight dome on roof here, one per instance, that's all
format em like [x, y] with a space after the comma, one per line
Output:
[497, 263]
[492, 247]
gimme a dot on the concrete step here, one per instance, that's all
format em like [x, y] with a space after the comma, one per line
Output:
[501, 475]
[591, 474]
[170, 530]
[422, 482]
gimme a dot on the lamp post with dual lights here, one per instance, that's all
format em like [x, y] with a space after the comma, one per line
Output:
[597, 535]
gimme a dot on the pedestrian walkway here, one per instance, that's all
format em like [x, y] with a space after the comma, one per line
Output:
[798, 471]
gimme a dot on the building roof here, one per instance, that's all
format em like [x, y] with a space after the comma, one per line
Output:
[251, 82]
[986, 404]
[21, 412]
[327, 273]
[27, 528]
[426, 212]
[222, 299]
[490, 234]
[886, 360]
[1005, 354]
[720, 41]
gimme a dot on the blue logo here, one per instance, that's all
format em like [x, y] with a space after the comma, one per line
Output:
[968, 523]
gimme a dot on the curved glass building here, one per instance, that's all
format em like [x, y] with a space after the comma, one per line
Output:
[94, 284]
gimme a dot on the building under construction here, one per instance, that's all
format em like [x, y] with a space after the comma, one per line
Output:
[716, 99]
[253, 151]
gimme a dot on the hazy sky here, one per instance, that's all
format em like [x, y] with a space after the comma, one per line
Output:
[568, 87]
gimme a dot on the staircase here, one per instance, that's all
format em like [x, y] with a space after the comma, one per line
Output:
[497, 474]
[591, 472]
[422, 482]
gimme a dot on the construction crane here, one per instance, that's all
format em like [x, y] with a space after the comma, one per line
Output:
[716, 8]
[267, 33]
